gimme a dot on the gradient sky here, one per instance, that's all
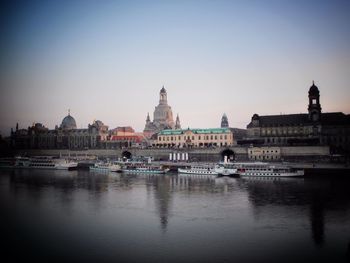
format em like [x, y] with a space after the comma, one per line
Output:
[107, 60]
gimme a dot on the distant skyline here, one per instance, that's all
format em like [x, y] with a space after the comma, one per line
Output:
[108, 60]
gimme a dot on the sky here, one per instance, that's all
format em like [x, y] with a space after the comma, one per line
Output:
[108, 60]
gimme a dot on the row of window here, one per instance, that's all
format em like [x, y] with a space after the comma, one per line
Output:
[267, 151]
[42, 165]
[289, 131]
[262, 157]
[185, 144]
[263, 174]
[206, 137]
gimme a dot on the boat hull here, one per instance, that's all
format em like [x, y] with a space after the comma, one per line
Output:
[110, 168]
[136, 171]
[254, 174]
[193, 171]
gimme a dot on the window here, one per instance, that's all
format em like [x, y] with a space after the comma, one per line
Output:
[225, 137]
[199, 137]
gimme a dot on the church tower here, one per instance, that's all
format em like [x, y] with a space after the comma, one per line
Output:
[162, 116]
[148, 120]
[177, 123]
[224, 121]
[314, 108]
[163, 97]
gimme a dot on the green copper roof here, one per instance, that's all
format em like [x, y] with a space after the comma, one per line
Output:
[170, 132]
[197, 131]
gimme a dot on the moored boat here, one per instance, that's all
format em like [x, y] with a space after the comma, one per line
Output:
[226, 169]
[198, 169]
[7, 162]
[44, 162]
[143, 168]
[105, 167]
[259, 169]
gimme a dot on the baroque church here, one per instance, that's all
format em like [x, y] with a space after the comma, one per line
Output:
[162, 117]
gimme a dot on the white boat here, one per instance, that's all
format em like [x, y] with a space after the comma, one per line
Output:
[226, 169]
[8, 162]
[259, 169]
[198, 169]
[143, 168]
[107, 167]
[44, 162]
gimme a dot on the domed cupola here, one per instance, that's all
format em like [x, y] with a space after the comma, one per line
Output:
[68, 122]
[224, 121]
[313, 91]
[314, 107]
[163, 97]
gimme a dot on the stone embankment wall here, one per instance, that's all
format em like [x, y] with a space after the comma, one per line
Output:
[305, 153]
[215, 154]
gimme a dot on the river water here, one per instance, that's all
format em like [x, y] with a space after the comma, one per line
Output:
[81, 216]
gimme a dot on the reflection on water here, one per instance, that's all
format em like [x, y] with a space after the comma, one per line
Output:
[172, 218]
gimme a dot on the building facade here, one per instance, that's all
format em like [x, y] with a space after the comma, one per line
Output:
[162, 117]
[218, 137]
[264, 153]
[311, 128]
[126, 136]
[66, 136]
[238, 133]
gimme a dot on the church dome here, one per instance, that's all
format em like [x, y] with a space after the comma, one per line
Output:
[68, 122]
[313, 90]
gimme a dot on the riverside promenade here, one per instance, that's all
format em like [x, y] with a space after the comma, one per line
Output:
[312, 159]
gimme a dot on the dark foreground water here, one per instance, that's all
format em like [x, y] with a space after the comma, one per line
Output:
[90, 217]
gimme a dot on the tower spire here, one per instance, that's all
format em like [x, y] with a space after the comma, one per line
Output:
[177, 123]
[163, 96]
[314, 107]
[224, 121]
